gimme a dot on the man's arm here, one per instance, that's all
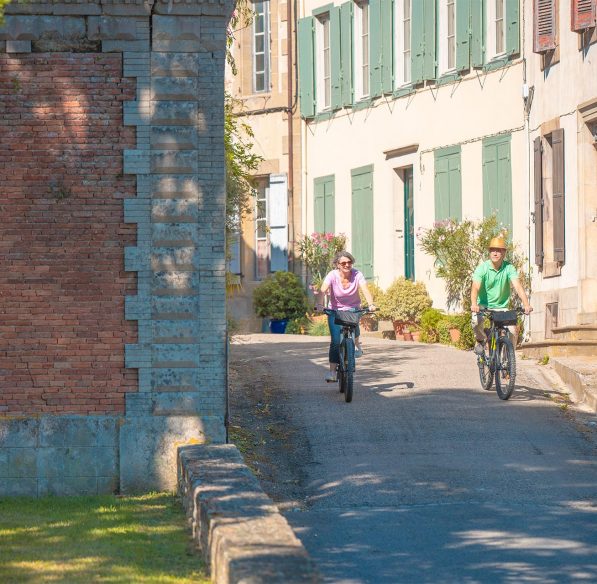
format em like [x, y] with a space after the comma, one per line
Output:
[522, 295]
[475, 296]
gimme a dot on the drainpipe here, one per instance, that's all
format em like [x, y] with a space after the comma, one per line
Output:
[290, 111]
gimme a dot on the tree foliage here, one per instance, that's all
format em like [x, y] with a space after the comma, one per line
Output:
[459, 247]
[3, 4]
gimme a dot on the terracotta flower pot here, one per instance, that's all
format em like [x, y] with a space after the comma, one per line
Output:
[455, 335]
[416, 336]
[399, 326]
[368, 323]
[408, 336]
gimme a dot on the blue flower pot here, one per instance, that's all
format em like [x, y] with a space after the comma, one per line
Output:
[278, 326]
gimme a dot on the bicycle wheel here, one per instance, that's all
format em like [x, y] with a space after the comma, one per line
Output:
[505, 368]
[485, 372]
[342, 368]
[349, 370]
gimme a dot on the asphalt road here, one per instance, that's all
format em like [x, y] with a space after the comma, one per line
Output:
[425, 477]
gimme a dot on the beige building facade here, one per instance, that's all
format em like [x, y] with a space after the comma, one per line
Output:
[264, 90]
[420, 111]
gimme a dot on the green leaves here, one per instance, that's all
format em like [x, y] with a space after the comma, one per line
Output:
[280, 296]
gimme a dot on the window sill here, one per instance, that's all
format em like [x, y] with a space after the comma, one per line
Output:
[323, 115]
[362, 104]
[497, 63]
[404, 90]
[448, 77]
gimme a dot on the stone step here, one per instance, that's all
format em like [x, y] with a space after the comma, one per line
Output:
[587, 332]
[580, 374]
[561, 348]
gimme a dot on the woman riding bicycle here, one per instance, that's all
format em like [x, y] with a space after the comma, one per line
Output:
[343, 284]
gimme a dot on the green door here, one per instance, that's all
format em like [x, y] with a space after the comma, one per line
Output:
[409, 225]
[362, 219]
[497, 180]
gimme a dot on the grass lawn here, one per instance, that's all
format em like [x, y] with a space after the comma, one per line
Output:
[97, 539]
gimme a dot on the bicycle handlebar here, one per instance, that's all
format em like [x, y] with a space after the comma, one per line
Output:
[489, 311]
[360, 310]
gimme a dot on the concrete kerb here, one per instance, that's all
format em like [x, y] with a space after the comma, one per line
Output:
[580, 375]
[242, 536]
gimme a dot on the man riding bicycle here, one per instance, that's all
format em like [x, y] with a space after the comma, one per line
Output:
[491, 289]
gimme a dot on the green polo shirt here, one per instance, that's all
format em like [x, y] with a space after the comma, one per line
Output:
[495, 284]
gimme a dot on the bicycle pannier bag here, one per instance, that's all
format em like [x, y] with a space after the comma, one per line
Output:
[347, 317]
[505, 317]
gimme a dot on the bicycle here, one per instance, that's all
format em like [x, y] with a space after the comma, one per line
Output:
[348, 319]
[498, 360]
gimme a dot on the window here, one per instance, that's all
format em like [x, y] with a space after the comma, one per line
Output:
[447, 35]
[584, 15]
[497, 179]
[271, 224]
[448, 184]
[324, 62]
[261, 42]
[549, 203]
[324, 204]
[361, 36]
[545, 26]
[402, 16]
[261, 229]
[496, 29]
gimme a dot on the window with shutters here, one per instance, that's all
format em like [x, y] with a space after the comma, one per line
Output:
[323, 90]
[402, 42]
[545, 25]
[496, 29]
[261, 46]
[549, 214]
[448, 184]
[261, 229]
[584, 15]
[324, 204]
[361, 50]
[447, 35]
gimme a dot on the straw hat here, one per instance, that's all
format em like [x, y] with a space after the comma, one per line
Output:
[497, 242]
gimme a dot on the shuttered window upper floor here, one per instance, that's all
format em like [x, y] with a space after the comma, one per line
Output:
[355, 52]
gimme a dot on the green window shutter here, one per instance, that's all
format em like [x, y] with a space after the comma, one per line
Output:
[319, 205]
[306, 63]
[362, 219]
[429, 57]
[387, 46]
[417, 42]
[346, 52]
[335, 57]
[497, 180]
[329, 205]
[463, 37]
[477, 33]
[448, 184]
[513, 27]
[375, 48]
[324, 204]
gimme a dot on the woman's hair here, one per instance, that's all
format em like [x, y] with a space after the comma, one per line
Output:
[342, 254]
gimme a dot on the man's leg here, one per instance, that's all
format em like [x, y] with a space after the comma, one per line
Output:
[477, 321]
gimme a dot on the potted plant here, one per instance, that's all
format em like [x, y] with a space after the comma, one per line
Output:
[403, 303]
[369, 322]
[280, 298]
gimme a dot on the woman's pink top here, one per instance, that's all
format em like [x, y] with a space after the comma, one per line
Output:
[344, 298]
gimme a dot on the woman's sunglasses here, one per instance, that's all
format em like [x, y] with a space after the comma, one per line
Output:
[345, 263]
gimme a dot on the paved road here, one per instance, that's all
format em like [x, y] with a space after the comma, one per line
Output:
[425, 477]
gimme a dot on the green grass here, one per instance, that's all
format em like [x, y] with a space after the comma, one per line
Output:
[97, 539]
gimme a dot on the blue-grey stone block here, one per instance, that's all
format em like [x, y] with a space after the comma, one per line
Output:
[172, 186]
[108, 485]
[18, 487]
[80, 431]
[174, 161]
[175, 379]
[174, 403]
[174, 88]
[3, 463]
[106, 462]
[175, 281]
[166, 234]
[174, 64]
[136, 308]
[176, 209]
[18, 432]
[68, 487]
[50, 462]
[176, 354]
[22, 462]
[174, 113]
[79, 462]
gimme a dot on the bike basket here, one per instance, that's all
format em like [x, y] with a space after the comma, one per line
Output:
[347, 318]
[505, 317]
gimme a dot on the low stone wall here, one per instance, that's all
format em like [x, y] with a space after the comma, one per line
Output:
[242, 535]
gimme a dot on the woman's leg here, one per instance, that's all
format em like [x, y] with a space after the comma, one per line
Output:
[357, 338]
[335, 334]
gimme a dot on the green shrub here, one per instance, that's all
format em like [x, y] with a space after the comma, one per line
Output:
[443, 332]
[297, 326]
[404, 300]
[280, 296]
[463, 323]
[318, 328]
[376, 293]
[429, 320]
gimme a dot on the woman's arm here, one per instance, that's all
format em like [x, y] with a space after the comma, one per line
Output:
[367, 293]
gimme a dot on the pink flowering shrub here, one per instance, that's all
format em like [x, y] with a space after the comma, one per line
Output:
[317, 252]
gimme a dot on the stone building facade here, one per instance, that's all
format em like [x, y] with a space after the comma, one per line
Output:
[112, 287]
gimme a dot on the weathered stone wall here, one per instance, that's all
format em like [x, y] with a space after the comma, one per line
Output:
[163, 134]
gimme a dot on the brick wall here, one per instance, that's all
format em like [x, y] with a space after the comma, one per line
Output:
[62, 234]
